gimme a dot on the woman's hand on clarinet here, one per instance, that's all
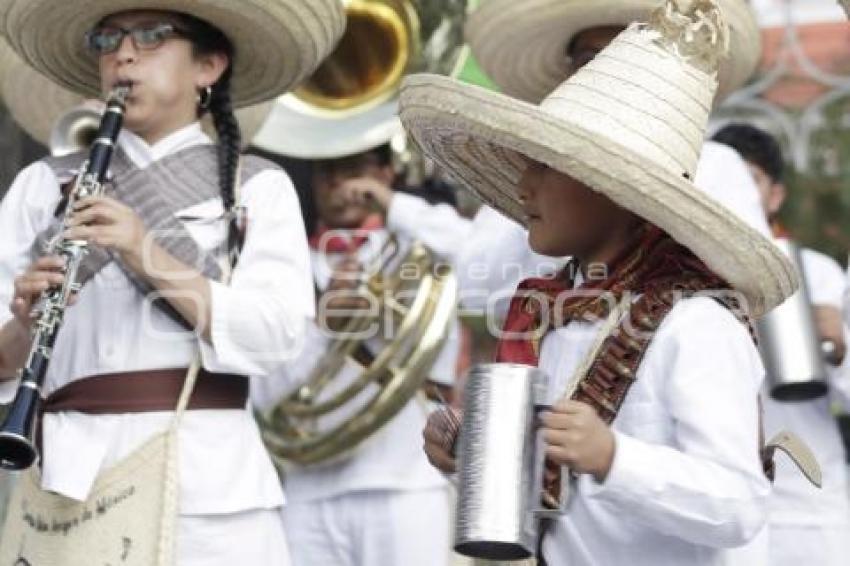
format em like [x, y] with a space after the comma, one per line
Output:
[109, 224]
[576, 437]
[440, 436]
[45, 273]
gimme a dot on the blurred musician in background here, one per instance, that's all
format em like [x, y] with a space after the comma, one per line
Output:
[806, 525]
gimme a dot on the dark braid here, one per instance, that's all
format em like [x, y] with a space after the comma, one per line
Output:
[206, 40]
[229, 138]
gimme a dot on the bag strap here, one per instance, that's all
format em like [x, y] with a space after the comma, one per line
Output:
[236, 228]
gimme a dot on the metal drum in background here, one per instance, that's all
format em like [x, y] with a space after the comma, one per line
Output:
[500, 463]
[789, 342]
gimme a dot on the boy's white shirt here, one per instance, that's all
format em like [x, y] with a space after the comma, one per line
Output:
[686, 480]
[255, 321]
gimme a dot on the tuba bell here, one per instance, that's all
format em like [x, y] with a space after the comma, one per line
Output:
[76, 130]
[349, 106]
[324, 419]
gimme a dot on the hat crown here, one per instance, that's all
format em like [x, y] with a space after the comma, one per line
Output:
[652, 88]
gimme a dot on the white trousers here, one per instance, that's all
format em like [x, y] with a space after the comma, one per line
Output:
[815, 545]
[371, 528]
[252, 538]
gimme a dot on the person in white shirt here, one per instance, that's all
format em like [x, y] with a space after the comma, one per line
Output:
[654, 407]
[806, 524]
[144, 313]
[380, 503]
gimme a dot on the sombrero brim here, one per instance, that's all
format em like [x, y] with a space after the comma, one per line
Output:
[34, 102]
[522, 45]
[278, 42]
[479, 136]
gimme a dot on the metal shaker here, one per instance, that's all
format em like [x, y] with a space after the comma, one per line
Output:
[501, 462]
[789, 342]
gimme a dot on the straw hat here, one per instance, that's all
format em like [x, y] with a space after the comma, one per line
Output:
[629, 125]
[522, 46]
[36, 103]
[278, 42]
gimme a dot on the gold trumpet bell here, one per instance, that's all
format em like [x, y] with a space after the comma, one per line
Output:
[330, 414]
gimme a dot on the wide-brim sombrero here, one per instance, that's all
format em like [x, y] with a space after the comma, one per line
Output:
[522, 46]
[278, 42]
[33, 101]
[629, 125]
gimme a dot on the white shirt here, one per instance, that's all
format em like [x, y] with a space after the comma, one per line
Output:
[439, 226]
[686, 480]
[795, 501]
[257, 322]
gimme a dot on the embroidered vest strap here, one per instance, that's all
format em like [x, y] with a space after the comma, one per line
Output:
[614, 370]
[156, 193]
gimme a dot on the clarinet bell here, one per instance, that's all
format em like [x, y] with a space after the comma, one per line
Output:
[17, 449]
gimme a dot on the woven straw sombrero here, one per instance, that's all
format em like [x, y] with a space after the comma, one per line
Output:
[522, 45]
[630, 125]
[36, 103]
[278, 42]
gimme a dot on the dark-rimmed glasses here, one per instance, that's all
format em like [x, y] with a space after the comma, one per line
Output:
[103, 40]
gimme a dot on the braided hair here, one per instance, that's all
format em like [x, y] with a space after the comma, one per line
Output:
[207, 39]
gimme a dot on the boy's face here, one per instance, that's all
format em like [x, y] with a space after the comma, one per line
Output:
[567, 218]
[334, 186]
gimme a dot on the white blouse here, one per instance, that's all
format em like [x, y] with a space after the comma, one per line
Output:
[257, 322]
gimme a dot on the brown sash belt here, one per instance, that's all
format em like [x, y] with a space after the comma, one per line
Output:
[143, 392]
[147, 391]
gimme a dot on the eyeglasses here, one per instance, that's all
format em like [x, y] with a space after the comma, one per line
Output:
[108, 39]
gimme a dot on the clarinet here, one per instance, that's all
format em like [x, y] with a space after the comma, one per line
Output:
[18, 450]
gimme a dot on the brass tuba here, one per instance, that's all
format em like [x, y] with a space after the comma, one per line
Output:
[322, 419]
[347, 107]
